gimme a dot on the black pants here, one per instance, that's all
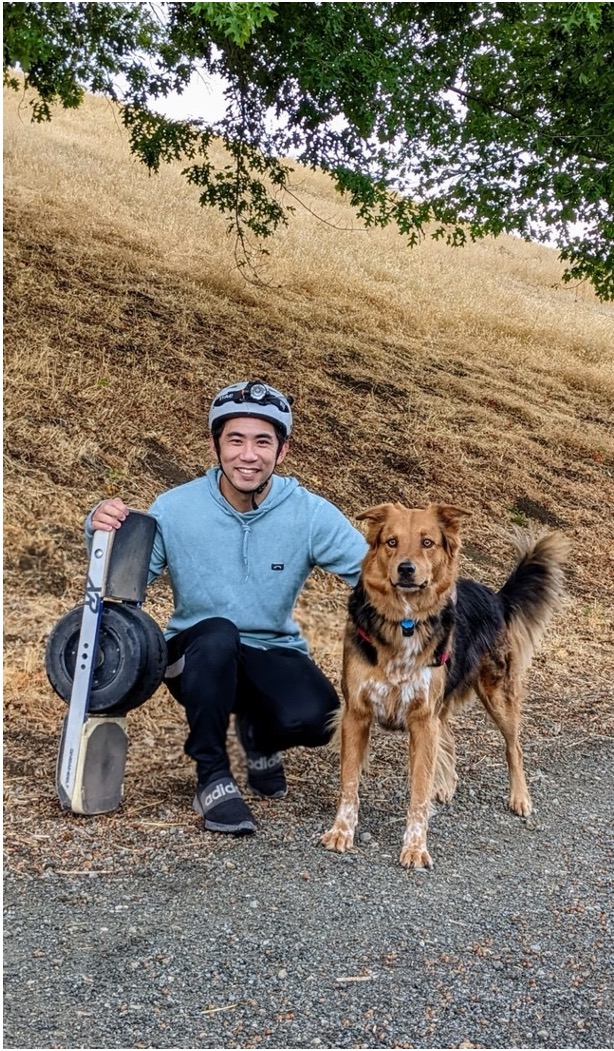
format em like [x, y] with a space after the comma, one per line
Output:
[281, 692]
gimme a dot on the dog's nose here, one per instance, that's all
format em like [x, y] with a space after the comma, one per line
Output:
[406, 569]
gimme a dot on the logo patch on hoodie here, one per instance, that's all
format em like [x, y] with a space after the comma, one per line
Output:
[277, 565]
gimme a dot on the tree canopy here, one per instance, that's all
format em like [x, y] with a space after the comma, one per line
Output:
[450, 120]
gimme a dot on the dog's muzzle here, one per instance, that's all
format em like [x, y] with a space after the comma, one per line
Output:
[406, 577]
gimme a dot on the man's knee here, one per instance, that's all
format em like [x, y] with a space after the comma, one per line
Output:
[311, 724]
[207, 652]
[215, 640]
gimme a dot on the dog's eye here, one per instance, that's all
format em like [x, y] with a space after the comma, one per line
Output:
[392, 541]
[427, 542]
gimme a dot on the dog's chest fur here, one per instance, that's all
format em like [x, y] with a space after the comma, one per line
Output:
[393, 669]
[390, 703]
[399, 666]
[399, 680]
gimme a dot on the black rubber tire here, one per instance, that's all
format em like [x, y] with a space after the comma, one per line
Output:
[131, 658]
[153, 664]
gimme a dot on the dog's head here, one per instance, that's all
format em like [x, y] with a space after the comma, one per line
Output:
[412, 550]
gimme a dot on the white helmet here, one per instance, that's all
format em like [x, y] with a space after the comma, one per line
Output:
[252, 398]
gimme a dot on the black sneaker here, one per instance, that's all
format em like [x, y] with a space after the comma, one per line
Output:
[223, 808]
[265, 773]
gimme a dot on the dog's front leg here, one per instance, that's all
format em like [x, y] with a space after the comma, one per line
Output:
[355, 728]
[423, 725]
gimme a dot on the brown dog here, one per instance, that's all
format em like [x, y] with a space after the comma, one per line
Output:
[419, 643]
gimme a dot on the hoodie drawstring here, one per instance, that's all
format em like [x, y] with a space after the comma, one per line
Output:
[246, 533]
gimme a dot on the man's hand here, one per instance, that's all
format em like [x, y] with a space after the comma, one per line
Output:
[109, 514]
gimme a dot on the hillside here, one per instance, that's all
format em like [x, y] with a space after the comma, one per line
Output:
[467, 375]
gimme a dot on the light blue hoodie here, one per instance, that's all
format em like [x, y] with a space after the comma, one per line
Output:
[249, 567]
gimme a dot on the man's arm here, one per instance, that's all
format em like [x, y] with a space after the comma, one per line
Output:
[336, 545]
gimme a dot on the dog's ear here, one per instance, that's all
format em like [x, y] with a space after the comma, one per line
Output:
[449, 517]
[375, 518]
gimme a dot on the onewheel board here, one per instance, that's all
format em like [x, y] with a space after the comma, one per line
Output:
[103, 664]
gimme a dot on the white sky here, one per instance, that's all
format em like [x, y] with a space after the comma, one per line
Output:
[203, 97]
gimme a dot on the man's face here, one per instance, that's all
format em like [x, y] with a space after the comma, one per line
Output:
[248, 452]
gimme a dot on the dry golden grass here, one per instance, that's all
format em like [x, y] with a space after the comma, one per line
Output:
[473, 376]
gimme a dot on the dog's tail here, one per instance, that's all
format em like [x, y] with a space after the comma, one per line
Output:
[535, 588]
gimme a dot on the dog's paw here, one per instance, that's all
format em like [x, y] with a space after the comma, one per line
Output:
[414, 857]
[339, 839]
[520, 803]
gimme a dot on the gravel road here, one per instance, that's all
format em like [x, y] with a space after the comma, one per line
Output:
[272, 942]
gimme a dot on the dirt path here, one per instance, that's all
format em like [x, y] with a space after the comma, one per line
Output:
[272, 942]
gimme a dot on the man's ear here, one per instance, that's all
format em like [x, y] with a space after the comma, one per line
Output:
[212, 449]
[283, 452]
[375, 518]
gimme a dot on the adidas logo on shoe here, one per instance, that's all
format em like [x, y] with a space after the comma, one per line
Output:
[265, 773]
[223, 790]
[264, 762]
[266, 777]
[223, 807]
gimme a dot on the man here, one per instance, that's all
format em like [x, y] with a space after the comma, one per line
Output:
[239, 543]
